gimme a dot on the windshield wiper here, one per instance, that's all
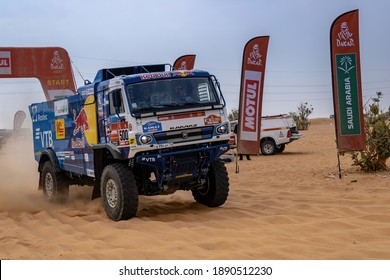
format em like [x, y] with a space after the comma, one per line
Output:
[170, 105]
[193, 103]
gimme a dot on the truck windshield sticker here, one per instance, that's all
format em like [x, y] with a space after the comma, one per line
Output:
[181, 116]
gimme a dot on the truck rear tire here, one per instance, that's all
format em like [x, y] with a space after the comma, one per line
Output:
[215, 191]
[54, 185]
[268, 147]
[119, 192]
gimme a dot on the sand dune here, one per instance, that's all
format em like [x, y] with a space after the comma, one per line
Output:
[288, 206]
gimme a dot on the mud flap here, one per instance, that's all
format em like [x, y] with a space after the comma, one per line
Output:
[96, 190]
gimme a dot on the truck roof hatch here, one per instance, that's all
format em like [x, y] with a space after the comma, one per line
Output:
[109, 73]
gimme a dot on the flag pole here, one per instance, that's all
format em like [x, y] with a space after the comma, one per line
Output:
[339, 164]
[236, 153]
[237, 167]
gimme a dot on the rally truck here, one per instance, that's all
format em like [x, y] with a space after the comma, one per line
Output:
[139, 130]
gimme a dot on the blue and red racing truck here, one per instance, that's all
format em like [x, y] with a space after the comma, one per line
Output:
[139, 130]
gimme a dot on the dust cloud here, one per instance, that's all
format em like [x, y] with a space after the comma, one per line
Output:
[18, 174]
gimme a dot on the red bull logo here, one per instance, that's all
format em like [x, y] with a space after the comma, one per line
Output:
[183, 73]
[81, 121]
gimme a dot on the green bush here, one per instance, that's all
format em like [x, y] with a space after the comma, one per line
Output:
[377, 128]
[301, 117]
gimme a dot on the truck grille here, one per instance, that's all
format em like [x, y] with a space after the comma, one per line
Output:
[184, 135]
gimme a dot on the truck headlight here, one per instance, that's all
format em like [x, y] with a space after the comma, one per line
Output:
[145, 139]
[222, 129]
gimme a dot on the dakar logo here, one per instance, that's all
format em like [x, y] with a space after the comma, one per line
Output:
[345, 36]
[255, 56]
[57, 62]
[183, 65]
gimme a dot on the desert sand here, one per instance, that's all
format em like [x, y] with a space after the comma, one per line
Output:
[291, 206]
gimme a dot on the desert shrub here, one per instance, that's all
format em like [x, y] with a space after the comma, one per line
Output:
[301, 116]
[233, 115]
[377, 129]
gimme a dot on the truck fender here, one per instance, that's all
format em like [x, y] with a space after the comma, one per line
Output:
[111, 148]
[47, 155]
[102, 154]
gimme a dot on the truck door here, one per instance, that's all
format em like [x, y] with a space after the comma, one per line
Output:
[116, 128]
[81, 134]
[90, 134]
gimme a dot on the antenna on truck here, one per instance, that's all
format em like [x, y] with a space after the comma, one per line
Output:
[86, 82]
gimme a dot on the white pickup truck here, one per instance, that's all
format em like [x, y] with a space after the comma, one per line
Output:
[276, 132]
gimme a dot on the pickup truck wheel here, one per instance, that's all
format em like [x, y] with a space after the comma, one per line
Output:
[268, 147]
[119, 192]
[216, 188]
[54, 185]
[280, 148]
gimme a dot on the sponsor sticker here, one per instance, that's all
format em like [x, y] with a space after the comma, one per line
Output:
[60, 129]
[212, 119]
[119, 134]
[61, 107]
[152, 126]
[181, 116]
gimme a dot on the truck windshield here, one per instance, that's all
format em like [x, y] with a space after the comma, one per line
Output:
[168, 94]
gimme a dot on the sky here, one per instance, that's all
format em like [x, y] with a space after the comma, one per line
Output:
[101, 34]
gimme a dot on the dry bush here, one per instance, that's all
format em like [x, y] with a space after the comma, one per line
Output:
[377, 128]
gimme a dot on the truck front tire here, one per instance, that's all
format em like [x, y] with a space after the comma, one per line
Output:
[215, 191]
[54, 185]
[119, 192]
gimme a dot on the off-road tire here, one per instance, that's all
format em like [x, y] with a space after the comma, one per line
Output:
[215, 191]
[54, 184]
[268, 147]
[119, 192]
[280, 148]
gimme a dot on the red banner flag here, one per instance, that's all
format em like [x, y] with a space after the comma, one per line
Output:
[251, 95]
[347, 85]
[185, 62]
[51, 66]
